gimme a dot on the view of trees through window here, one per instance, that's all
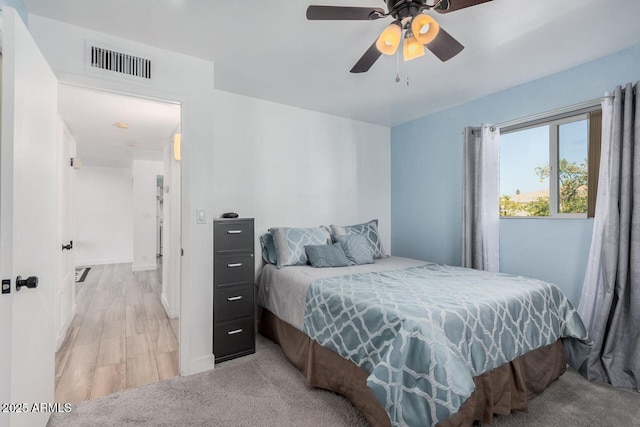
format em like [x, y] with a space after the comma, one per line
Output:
[544, 170]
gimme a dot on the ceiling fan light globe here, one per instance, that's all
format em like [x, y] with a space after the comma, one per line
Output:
[389, 39]
[412, 48]
[424, 28]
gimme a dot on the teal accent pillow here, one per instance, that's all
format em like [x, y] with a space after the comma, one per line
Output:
[369, 230]
[356, 248]
[269, 253]
[326, 255]
[290, 243]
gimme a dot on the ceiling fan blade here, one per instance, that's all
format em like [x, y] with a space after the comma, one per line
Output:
[447, 6]
[343, 13]
[367, 60]
[444, 46]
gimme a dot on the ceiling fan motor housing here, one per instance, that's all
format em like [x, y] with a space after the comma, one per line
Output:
[401, 9]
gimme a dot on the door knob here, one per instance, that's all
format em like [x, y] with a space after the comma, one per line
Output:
[69, 246]
[30, 282]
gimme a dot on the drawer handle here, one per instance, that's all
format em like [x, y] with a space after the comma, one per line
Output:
[234, 231]
[237, 264]
[238, 298]
[237, 331]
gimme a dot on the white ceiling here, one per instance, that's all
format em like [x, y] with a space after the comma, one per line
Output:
[91, 116]
[269, 50]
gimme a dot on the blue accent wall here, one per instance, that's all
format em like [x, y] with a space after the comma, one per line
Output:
[426, 177]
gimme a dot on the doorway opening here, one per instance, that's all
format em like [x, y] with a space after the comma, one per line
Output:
[117, 318]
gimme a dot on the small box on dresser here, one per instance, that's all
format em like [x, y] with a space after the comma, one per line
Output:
[233, 288]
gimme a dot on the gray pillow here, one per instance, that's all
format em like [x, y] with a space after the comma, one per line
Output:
[269, 253]
[356, 248]
[326, 255]
[369, 230]
[290, 243]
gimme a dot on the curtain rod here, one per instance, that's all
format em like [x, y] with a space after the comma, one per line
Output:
[548, 114]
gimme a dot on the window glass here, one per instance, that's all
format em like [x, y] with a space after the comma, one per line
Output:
[573, 167]
[545, 166]
[524, 191]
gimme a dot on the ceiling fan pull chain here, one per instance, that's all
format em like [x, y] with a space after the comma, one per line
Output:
[397, 66]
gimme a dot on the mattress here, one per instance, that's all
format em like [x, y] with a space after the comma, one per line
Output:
[283, 291]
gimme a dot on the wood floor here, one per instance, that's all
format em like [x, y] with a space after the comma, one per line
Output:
[120, 337]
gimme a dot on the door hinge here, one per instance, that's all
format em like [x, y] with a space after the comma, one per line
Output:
[6, 286]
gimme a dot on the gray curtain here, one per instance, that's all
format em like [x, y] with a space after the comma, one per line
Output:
[610, 303]
[480, 201]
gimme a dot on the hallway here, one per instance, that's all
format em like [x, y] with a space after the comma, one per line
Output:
[120, 337]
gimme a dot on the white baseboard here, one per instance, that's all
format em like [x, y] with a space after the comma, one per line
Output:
[63, 333]
[88, 263]
[201, 364]
[145, 267]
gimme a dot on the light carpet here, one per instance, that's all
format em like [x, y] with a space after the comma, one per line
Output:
[264, 389]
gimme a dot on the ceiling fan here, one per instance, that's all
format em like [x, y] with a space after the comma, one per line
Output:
[420, 30]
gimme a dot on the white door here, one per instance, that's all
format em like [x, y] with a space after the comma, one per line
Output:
[29, 241]
[65, 297]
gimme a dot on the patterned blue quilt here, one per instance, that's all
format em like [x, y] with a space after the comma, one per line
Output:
[423, 333]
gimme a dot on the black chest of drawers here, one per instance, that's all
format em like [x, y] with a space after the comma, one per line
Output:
[233, 288]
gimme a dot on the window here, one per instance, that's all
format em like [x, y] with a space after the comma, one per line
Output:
[546, 167]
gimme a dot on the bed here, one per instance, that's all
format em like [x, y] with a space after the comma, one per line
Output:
[416, 343]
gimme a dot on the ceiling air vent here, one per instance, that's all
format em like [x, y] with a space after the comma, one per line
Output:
[118, 62]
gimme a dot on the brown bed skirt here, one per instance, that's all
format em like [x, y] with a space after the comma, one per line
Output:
[499, 391]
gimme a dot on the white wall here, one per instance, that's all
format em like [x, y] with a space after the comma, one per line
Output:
[19, 6]
[145, 174]
[281, 165]
[103, 216]
[287, 166]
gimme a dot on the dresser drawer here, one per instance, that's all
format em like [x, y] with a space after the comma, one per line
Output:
[232, 270]
[235, 338]
[233, 236]
[232, 303]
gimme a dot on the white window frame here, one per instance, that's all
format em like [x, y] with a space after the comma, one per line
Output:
[554, 159]
[554, 191]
